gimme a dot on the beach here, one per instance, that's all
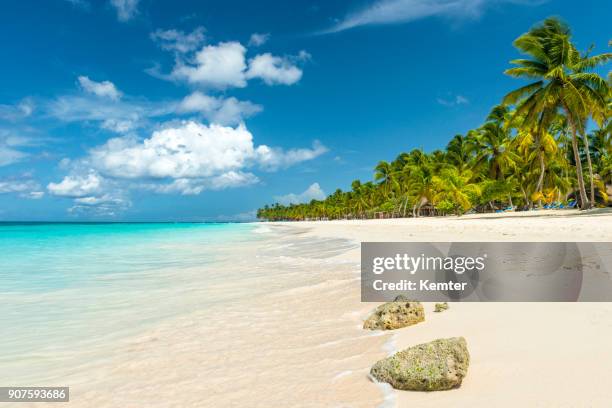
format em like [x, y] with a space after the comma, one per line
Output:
[281, 325]
[522, 354]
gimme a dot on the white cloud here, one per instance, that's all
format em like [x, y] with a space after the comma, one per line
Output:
[76, 186]
[119, 116]
[25, 187]
[103, 199]
[273, 70]
[191, 155]
[21, 110]
[193, 150]
[189, 150]
[104, 89]
[233, 179]
[402, 11]
[179, 41]
[185, 157]
[9, 155]
[216, 66]
[35, 195]
[303, 55]
[91, 193]
[224, 66]
[223, 111]
[131, 113]
[119, 125]
[106, 205]
[313, 192]
[187, 186]
[453, 101]
[9, 145]
[126, 9]
[272, 159]
[258, 39]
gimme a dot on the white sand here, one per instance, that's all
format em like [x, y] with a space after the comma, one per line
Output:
[522, 354]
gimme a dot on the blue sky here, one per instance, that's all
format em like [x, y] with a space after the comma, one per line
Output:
[158, 110]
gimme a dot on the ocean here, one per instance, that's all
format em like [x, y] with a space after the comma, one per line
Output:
[184, 315]
[67, 287]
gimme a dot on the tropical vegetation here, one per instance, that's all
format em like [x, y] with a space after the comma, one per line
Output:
[547, 144]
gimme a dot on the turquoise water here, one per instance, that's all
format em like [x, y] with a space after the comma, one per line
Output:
[67, 287]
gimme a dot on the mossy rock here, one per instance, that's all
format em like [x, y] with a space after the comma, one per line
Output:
[440, 307]
[395, 315]
[439, 365]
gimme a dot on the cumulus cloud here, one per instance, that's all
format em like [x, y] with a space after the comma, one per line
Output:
[126, 9]
[402, 11]
[313, 192]
[225, 66]
[223, 111]
[179, 41]
[189, 150]
[76, 186]
[258, 39]
[91, 193]
[216, 66]
[192, 150]
[104, 89]
[186, 158]
[273, 70]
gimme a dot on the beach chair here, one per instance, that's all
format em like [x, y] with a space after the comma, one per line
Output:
[572, 204]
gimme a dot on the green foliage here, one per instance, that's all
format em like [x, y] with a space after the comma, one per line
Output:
[530, 150]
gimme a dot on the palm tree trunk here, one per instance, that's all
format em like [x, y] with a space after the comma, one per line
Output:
[583, 197]
[527, 201]
[588, 155]
[542, 171]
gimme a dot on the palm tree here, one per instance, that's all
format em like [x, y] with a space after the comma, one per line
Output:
[454, 190]
[460, 152]
[420, 185]
[383, 173]
[492, 144]
[562, 83]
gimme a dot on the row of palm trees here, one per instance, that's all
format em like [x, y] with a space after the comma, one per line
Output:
[534, 148]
